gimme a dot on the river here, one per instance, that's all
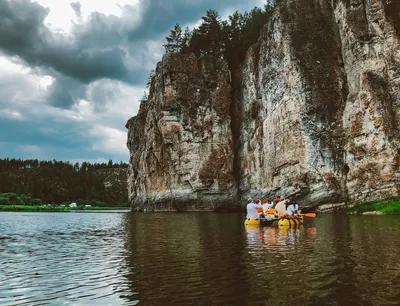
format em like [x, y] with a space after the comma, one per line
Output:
[196, 259]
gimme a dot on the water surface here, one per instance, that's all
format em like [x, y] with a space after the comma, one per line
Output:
[196, 259]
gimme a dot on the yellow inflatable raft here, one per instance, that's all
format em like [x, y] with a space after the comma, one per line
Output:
[289, 222]
[252, 222]
[259, 222]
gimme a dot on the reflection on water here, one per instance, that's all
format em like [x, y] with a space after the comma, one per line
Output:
[196, 259]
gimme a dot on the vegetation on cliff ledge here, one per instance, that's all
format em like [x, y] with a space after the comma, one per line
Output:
[216, 38]
[391, 207]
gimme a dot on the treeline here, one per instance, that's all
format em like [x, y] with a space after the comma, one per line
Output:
[18, 164]
[216, 38]
[10, 198]
[56, 182]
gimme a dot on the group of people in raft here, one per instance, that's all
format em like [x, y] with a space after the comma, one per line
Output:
[277, 208]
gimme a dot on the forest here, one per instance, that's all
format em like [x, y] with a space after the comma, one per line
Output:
[33, 182]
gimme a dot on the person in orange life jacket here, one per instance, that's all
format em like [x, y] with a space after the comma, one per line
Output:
[266, 206]
[252, 210]
[277, 199]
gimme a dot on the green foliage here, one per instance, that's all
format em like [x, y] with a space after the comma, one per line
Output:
[4, 200]
[97, 203]
[215, 38]
[387, 207]
[26, 182]
[150, 79]
[47, 208]
[20, 202]
[36, 202]
[174, 40]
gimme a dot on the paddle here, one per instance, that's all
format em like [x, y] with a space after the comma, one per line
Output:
[308, 215]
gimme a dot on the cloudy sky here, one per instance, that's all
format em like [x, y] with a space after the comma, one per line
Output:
[72, 73]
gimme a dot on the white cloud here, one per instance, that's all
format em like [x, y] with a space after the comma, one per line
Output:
[109, 140]
[61, 16]
[45, 81]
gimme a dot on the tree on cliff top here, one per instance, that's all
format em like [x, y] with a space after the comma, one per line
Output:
[174, 40]
[214, 38]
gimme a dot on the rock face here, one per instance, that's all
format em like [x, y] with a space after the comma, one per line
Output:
[324, 81]
[315, 115]
[180, 142]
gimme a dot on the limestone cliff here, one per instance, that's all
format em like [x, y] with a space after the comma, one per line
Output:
[316, 113]
[180, 142]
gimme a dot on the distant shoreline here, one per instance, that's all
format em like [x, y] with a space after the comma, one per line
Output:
[45, 208]
[376, 208]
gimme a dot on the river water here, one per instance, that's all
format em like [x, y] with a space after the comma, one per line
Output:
[196, 259]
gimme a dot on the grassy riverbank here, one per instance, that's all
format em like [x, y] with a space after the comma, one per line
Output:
[45, 208]
[391, 207]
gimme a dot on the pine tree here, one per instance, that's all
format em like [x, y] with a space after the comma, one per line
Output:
[187, 36]
[174, 40]
[145, 97]
[211, 31]
[150, 78]
[234, 50]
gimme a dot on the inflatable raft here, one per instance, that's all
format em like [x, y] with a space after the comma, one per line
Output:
[260, 222]
[289, 222]
[270, 220]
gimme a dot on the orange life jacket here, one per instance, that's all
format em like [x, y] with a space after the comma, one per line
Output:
[270, 211]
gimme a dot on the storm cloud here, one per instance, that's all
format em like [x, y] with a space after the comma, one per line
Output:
[101, 46]
[74, 89]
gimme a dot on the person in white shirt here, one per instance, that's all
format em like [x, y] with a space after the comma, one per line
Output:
[252, 210]
[280, 208]
[290, 210]
[296, 208]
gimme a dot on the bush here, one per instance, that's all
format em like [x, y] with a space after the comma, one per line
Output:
[18, 201]
[26, 199]
[4, 200]
[81, 202]
[36, 202]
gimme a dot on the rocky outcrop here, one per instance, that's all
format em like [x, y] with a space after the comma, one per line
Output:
[180, 142]
[294, 91]
[315, 115]
[325, 82]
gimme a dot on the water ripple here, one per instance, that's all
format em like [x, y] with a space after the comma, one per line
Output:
[196, 259]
